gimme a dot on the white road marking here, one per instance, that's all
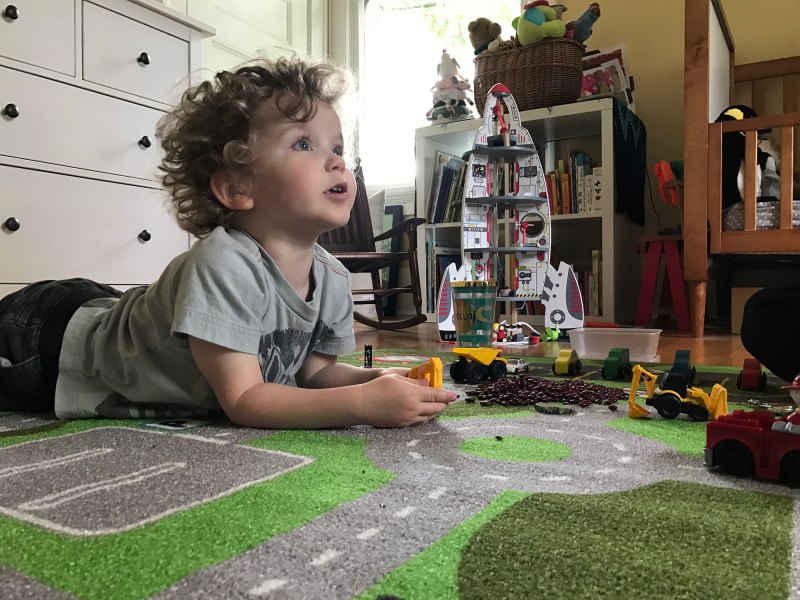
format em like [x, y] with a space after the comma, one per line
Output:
[467, 428]
[604, 471]
[412, 443]
[566, 420]
[2, 429]
[498, 477]
[555, 430]
[200, 438]
[437, 493]
[442, 467]
[556, 478]
[431, 432]
[625, 459]
[226, 434]
[28, 420]
[54, 462]
[404, 512]
[368, 533]
[691, 468]
[506, 426]
[79, 491]
[415, 455]
[620, 447]
[269, 586]
[594, 437]
[325, 557]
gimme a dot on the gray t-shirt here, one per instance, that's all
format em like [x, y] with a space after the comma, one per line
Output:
[130, 357]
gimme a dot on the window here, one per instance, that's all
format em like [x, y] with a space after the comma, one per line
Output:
[403, 42]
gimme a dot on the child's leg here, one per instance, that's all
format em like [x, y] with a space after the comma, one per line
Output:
[32, 323]
[771, 329]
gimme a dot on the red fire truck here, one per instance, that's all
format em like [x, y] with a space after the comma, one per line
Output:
[755, 444]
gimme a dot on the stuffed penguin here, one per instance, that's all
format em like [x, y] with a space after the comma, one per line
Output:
[733, 156]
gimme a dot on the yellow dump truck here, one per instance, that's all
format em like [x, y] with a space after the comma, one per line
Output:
[476, 364]
[672, 396]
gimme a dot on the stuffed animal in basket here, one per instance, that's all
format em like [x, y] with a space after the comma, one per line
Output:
[537, 22]
[450, 100]
[581, 28]
[484, 35]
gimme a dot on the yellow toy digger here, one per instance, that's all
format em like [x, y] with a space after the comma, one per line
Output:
[672, 397]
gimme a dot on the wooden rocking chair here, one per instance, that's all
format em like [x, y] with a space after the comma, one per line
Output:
[354, 246]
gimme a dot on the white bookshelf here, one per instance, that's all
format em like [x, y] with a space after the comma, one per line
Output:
[581, 124]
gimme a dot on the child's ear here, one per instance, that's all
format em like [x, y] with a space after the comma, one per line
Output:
[228, 191]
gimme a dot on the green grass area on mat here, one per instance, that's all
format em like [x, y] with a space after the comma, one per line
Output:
[688, 437]
[434, 572]
[139, 563]
[667, 540]
[515, 448]
[466, 410]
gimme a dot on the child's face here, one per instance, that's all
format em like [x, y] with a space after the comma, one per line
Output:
[303, 187]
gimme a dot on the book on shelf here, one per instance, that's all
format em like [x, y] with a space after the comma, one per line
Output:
[570, 184]
[445, 180]
[597, 285]
[438, 256]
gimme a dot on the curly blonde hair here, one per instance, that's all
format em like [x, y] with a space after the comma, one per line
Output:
[210, 130]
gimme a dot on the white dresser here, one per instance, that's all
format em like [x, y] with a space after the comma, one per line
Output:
[82, 86]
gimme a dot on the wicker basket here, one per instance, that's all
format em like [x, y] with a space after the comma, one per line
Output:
[542, 74]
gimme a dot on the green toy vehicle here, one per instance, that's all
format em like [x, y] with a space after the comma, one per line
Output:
[683, 366]
[567, 363]
[617, 364]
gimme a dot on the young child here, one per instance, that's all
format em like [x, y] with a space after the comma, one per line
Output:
[254, 163]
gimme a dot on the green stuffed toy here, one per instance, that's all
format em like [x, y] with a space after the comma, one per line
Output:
[537, 22]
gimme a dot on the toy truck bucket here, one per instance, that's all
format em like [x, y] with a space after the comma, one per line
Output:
[485, 356]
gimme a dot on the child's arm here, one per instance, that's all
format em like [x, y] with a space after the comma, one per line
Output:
[390, 401]
[322, 371]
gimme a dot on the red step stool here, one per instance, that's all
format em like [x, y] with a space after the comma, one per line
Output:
[666, 245]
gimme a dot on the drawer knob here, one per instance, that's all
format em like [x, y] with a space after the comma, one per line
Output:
[11, 111]
[145, 142]
[11, 13]
[145, 236]
[12, 224]
[144, 59]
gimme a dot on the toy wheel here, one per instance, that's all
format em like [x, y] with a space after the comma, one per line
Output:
[473, 373]
[554, 369]
[668, 406]
[698, 413]
[692, 375]
[628, 373]
[603, 373]
[734, 458]
[790, 468]
[762, 381]
[739, 380]
[458, 371]
[497, 370]
[578, 366]
[571, 370]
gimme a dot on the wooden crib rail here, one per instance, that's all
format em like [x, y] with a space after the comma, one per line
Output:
[751, 240]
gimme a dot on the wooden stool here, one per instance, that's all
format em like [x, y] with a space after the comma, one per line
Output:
[673, 279]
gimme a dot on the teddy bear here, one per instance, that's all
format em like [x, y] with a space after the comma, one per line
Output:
[538, 21]
[484, 35]
[450, 91]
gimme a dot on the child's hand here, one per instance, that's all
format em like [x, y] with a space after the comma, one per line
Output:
[394, 371]
[397, 401]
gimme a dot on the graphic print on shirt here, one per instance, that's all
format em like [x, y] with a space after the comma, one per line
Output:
[282, 352]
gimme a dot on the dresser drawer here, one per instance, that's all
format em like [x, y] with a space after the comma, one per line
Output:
[126, 55]
[73, 227]
[42, 34]
[65, 125]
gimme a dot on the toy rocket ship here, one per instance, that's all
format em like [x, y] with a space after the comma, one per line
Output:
[503, 169]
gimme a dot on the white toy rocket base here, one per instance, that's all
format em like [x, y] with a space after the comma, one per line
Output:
[504, 168]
